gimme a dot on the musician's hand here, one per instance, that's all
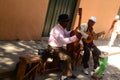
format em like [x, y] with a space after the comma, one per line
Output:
[79, 35]
[103, 32]
[77, 28]
[89, 37]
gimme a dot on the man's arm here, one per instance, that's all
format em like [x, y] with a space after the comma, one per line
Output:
[67, 40]
[83, 29]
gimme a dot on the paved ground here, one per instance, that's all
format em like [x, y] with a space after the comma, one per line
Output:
[10, 51]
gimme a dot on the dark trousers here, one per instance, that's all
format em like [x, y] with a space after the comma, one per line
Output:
[95, 53]
[62, 54]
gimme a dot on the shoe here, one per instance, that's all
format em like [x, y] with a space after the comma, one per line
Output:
[110, 45]
[103, 73]
[63, 78]
[66, 79]
[72, 77]
[85, 71]
[94, 76]
[96, 69]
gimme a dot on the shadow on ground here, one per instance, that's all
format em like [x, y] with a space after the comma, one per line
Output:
[11, 50]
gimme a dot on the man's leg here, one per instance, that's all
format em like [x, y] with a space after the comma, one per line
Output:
[112, 39]
[67, 69]
[85, 59]
[96, 52]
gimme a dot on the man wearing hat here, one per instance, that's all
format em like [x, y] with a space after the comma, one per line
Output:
[58, 37]
[89, 47]
[115, 28]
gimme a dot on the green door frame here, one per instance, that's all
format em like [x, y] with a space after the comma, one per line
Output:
[55, 8]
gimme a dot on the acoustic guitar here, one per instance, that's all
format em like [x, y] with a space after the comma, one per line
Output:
[74, 48]
[93, 36]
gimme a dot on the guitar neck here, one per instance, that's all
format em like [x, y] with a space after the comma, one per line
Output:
[98, 34]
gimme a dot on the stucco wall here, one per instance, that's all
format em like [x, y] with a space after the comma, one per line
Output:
[22, 19]
[104, 10]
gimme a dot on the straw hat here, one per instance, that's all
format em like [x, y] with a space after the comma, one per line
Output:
[104, 54]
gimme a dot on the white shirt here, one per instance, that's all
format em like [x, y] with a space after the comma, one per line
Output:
[83, 29]
[60, 36]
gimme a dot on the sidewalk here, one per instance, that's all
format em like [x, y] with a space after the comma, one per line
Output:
[10, 51]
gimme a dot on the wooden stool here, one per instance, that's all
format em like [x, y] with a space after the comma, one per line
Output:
[28, 67]
[50, 62]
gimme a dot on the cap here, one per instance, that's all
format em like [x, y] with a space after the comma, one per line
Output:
[93, 18]
[103, 54]
[117, 17]
[63, 18]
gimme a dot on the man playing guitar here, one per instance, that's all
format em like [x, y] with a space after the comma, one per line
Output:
[89, 35]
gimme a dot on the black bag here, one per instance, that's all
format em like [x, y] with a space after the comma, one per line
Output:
[44, 53]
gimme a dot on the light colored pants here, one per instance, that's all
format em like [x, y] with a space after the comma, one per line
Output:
[62, 54]
[112, 39]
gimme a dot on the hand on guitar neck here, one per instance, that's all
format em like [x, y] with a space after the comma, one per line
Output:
[77, 32]
[93, 36]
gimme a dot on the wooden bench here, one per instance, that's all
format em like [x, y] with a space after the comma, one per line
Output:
[28, 66]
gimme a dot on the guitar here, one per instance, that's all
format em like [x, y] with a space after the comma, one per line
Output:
[74, 48]
[93, 36]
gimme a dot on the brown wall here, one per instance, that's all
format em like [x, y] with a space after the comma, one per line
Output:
[22, 19]
[104, 10]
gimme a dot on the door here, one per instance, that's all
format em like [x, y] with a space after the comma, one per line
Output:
[55, 8]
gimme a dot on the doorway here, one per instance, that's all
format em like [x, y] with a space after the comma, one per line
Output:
[55, 8]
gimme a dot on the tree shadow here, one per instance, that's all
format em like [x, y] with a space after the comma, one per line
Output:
[11, 50]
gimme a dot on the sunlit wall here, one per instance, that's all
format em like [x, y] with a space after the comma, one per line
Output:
[22, 19]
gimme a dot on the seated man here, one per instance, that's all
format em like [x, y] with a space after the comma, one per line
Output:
[58, 37]
[87, 30]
